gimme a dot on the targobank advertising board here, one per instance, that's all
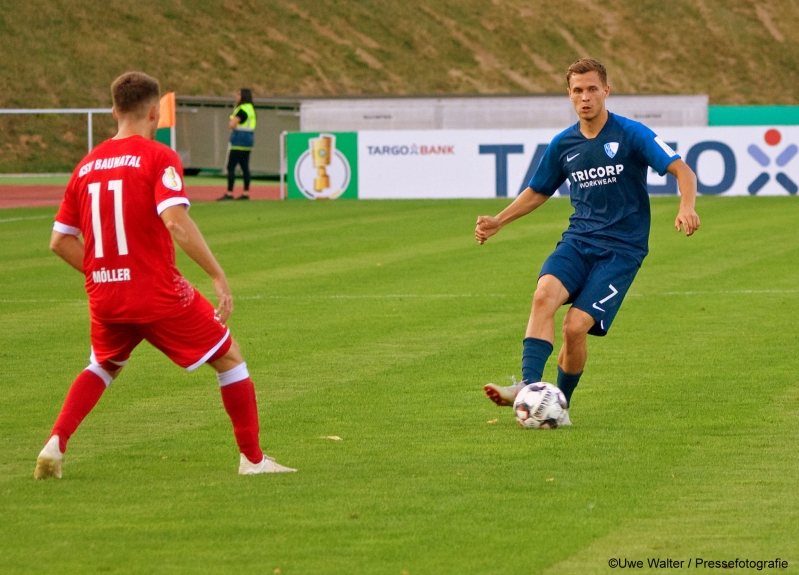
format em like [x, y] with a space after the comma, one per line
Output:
[728, 161]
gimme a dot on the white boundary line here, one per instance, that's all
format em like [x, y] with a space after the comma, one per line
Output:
[52, 175]
[6, 220]
[378, 296]
[476, 295]
[723, 292]
[44, 300]
[434, 296]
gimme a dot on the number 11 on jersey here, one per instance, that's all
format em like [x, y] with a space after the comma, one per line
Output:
[97, 227]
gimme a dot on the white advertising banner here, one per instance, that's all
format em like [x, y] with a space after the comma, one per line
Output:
[499, 163]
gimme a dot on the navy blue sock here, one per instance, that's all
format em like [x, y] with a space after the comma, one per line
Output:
[534, 358]
[567, 382]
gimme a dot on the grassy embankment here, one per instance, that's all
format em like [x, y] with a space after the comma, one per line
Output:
[65, 54]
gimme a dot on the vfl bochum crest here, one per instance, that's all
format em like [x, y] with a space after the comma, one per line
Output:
[611, 148]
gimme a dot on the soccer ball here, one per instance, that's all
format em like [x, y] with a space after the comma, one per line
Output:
[540, 406]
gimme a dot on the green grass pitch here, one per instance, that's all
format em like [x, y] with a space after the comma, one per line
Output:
[379, 322]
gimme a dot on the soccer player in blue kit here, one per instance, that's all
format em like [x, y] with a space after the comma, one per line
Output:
[605, 158]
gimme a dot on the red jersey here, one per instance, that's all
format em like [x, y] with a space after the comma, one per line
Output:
[115, 199]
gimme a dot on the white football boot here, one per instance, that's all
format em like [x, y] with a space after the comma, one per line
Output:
[50, 461]
[566, 419]
[504, 395]
[267, 465]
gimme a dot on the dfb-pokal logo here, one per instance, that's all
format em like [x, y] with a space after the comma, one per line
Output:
[773, 138]
[322, 171]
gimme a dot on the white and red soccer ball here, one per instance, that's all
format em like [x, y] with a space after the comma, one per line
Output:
[540, 406]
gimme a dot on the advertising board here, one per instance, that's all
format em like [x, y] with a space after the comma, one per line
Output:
[415, 164]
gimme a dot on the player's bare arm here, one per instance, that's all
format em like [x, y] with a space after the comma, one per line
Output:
[187, 235]
[69, 248]
[524, 203]
[687, 217]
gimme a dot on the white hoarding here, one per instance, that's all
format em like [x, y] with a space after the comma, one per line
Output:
[498, 163]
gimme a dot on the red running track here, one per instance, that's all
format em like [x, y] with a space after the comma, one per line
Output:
[33, 196]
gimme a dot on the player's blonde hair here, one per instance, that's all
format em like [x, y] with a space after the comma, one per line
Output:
[585, 65]
[132, 92]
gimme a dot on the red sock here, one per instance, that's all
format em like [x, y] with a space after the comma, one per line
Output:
[81, 398]
[239, 401]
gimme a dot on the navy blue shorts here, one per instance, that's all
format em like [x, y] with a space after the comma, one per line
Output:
[597, 279]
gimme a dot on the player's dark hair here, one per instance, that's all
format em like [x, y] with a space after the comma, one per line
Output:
[246, 96]
[133, 91]
[585, 65]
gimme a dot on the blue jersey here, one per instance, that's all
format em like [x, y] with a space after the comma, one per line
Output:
[607, 177]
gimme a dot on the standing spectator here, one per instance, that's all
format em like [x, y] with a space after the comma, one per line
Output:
[242, 137]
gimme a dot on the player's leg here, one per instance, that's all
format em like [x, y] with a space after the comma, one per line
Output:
[238, 397]
[561, 280]
[574, 352]
[593, 312]
[83, 395]
[540, 335]
[549, 295]
[194, 337]
[244, 162]
[111, 347]
[561, 277]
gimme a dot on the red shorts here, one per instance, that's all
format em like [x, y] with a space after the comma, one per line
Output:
[190, 338]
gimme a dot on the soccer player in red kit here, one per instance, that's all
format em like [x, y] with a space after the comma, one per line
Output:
[127, 200]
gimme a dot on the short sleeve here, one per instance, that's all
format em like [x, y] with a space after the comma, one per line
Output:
[242, 116]
[170, 189]
[652, 148]
[67, 220]
[549, 175]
